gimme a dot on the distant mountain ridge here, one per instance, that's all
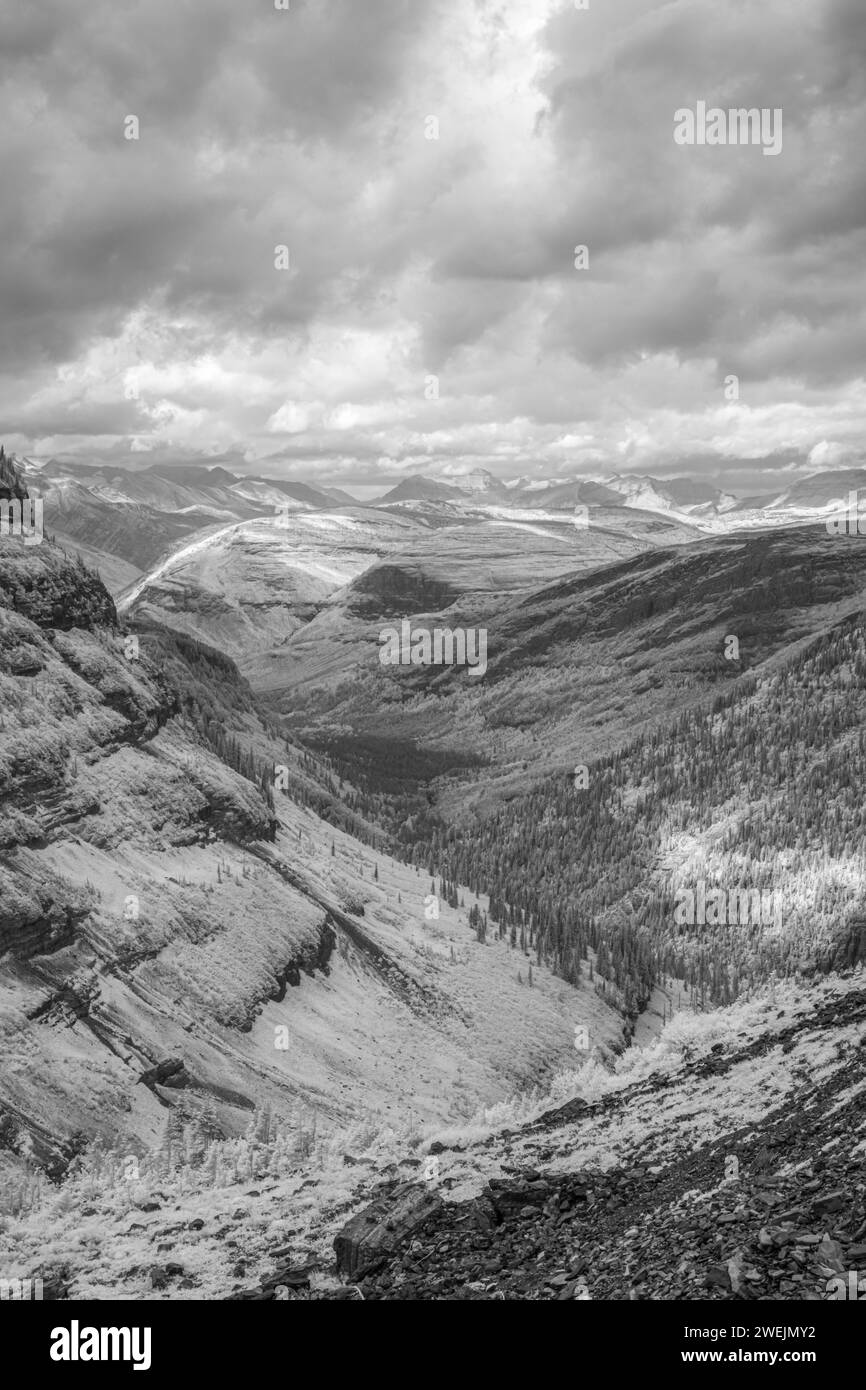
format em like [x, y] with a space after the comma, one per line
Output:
[686, 494]
[212, 543]
[688, 497]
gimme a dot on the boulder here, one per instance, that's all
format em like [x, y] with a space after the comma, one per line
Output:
[380, 1229]
[511, 1195]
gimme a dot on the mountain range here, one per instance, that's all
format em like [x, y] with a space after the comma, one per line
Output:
[391, 953]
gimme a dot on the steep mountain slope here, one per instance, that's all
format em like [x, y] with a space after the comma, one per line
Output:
[167, 911]
[124, 537]
[726, 1162]
[638, 1192]
[714, 805]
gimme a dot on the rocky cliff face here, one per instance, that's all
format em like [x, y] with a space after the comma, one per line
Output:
[109, 791]
[44, 588]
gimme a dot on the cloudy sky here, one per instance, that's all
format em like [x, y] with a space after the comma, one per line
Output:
[144, 312]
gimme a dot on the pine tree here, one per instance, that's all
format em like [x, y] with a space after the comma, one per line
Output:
[171, 1147]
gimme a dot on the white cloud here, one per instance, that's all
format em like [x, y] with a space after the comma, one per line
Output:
[151, 310]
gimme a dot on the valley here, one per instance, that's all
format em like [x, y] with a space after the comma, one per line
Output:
[163, 911]
[274, 912]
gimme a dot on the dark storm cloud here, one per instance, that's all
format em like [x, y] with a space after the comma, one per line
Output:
[693, 247]
[227, 95]
[149, 264]
[767, 239]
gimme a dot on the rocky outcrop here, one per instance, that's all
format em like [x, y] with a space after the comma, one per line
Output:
[44, 586]
[36, 919]
[137, 942]
[11, 483]
[376, 1233]
[41, 935]
[316, 955]
[171, 1072]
